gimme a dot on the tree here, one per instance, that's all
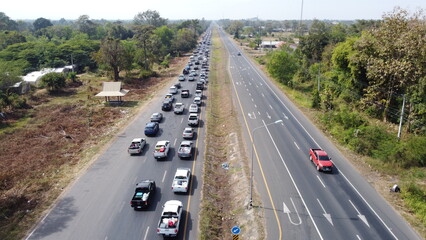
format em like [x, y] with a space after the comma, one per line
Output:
[9, 38]
[6, 23]
[40, 23]
[53, 81]
[313, 44]
[149, 17]
[85, 25]
[282, 65]
[393, 55]
[166, 37]
[185, 40]
[113, 55]
[143, 35]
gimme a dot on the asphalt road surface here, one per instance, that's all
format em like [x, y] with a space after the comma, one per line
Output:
[97, 205]
[300, 202]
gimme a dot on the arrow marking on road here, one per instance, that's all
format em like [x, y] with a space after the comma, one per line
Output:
[267, 114]
[287, 211]
[362, 217]
[326, 215]
[285, 116]
[251, 116]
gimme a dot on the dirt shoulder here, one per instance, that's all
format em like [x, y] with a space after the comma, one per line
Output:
[47, 147]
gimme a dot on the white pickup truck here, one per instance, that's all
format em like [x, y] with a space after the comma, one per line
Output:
[161, 149]
[181, 180]
[168, 226]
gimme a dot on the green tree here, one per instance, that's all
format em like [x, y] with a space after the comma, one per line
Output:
[10, 37]
[166, 37]
[314, 43]
[149, 17]
[6, 23]
[185, 40]
[53, 81]
[282, 65]
[143, 34]
[40, 23]
[87, 26]
[112, 54]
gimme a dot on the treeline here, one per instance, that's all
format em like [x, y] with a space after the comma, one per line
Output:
[360, 72]
[138, 46]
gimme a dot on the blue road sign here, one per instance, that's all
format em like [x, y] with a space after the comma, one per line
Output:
[235, 230]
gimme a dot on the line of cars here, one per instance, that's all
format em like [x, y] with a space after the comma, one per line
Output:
[168, 225]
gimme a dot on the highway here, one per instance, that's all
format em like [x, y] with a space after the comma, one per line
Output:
[299, 202]
[97, 205]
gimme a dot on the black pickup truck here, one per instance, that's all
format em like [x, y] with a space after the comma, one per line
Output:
[144, 193]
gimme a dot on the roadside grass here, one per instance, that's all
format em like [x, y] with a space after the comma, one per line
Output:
[56, 141]
[225, 191]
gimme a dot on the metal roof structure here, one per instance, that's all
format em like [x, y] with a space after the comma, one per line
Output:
[112, 89]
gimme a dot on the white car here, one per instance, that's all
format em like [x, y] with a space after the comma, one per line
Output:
[193, 108]
[193, 119]
[181, 77]
[188, 133]
[173, 90]
[169, 97]
[179, 108]
[161, 149]
[197, 100]
[199, 93]
[181, 180]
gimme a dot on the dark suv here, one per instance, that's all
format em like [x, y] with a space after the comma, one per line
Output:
[152, 128]
[167, 106]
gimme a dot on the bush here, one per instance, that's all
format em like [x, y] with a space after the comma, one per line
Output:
[53, 81]
[415, 197]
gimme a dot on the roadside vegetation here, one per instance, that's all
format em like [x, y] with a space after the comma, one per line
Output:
[51, 134]
[225, 189]
[353, 79]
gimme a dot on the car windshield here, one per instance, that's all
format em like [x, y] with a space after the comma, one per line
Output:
[324, 158]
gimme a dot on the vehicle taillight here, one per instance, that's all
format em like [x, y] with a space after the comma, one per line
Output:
[158, 230]
[176, 230]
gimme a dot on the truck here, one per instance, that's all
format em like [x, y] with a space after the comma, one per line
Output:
[184, 93]
[179, 108]
[143, 195]
[185, 149]
[136, 146]
[168, 226]
[161, 149]
[321, 160]
[181, 180]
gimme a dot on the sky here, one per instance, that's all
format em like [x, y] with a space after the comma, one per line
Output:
[207, 9]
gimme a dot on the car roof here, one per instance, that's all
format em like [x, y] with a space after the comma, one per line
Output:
[182, 171]
[144, 183]
[188, 128]
[172, 206]
[162, 142]
[138, 139]
[193, 114]
[321, 152]
[151, 124]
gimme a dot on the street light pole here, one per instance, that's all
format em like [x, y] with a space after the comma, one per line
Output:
[252, 165]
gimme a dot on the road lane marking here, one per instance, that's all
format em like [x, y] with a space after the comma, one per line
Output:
[249, 94]
[358, 237]
[255, 105]
[267, 114]
[287, 211]
[296, 145]
[326, 215]
[285, 116]
[164, 176]
[263, 95]
[146, 233]
[259, 113]
[174, 143]
[270, 106]
[294, 183]
[321, 181]
[181, 121]
[106, 237]
[252, 100]
[362, 217]
[257, 156]
[121, 207]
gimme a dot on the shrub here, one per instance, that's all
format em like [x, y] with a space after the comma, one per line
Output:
[415, 197]
[53, 81]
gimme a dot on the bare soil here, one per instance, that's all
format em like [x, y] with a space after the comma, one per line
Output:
[46, 146]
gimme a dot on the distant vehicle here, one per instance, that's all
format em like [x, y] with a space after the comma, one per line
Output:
[167, 106]
[184, 71]
[179, 108]
[136, 146]
[169, 97]
[152, 128]
[199, 93]
[193, 108]
[191, 78]
[144, 193]
[181, 77]
[197, 100]
[200, 85]
[168, 226]
[181, 180]
[173, 90]
[202, 80]
[188, 133]
[161, 149]
[239, 54]
[156, 117]
[194, 73]
[321, 160]
[196, 67]
[177, 85]
[193, 119]
[184, 93]
[185, 149]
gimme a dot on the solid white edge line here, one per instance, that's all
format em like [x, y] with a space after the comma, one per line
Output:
[321, 181]
[365, 201]
[294, 183]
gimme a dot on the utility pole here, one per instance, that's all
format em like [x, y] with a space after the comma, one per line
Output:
[402, 115]
[301, 15]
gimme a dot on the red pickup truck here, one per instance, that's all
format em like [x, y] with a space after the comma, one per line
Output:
[321, 160]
